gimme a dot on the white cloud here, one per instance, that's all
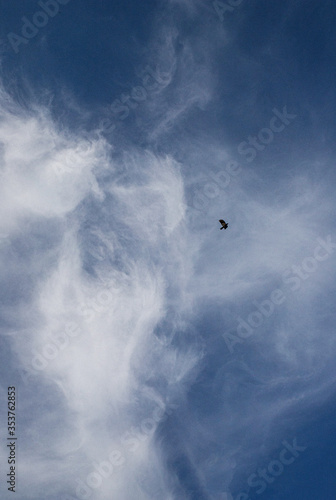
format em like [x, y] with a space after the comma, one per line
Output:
[106, 279]
[97, 370]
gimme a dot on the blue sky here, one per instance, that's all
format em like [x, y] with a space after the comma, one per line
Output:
[153, 355]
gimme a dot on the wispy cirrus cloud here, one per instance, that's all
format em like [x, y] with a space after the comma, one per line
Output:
[118, 289]
[109, 304]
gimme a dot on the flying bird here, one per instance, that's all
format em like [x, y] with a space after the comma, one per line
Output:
[224, 224]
